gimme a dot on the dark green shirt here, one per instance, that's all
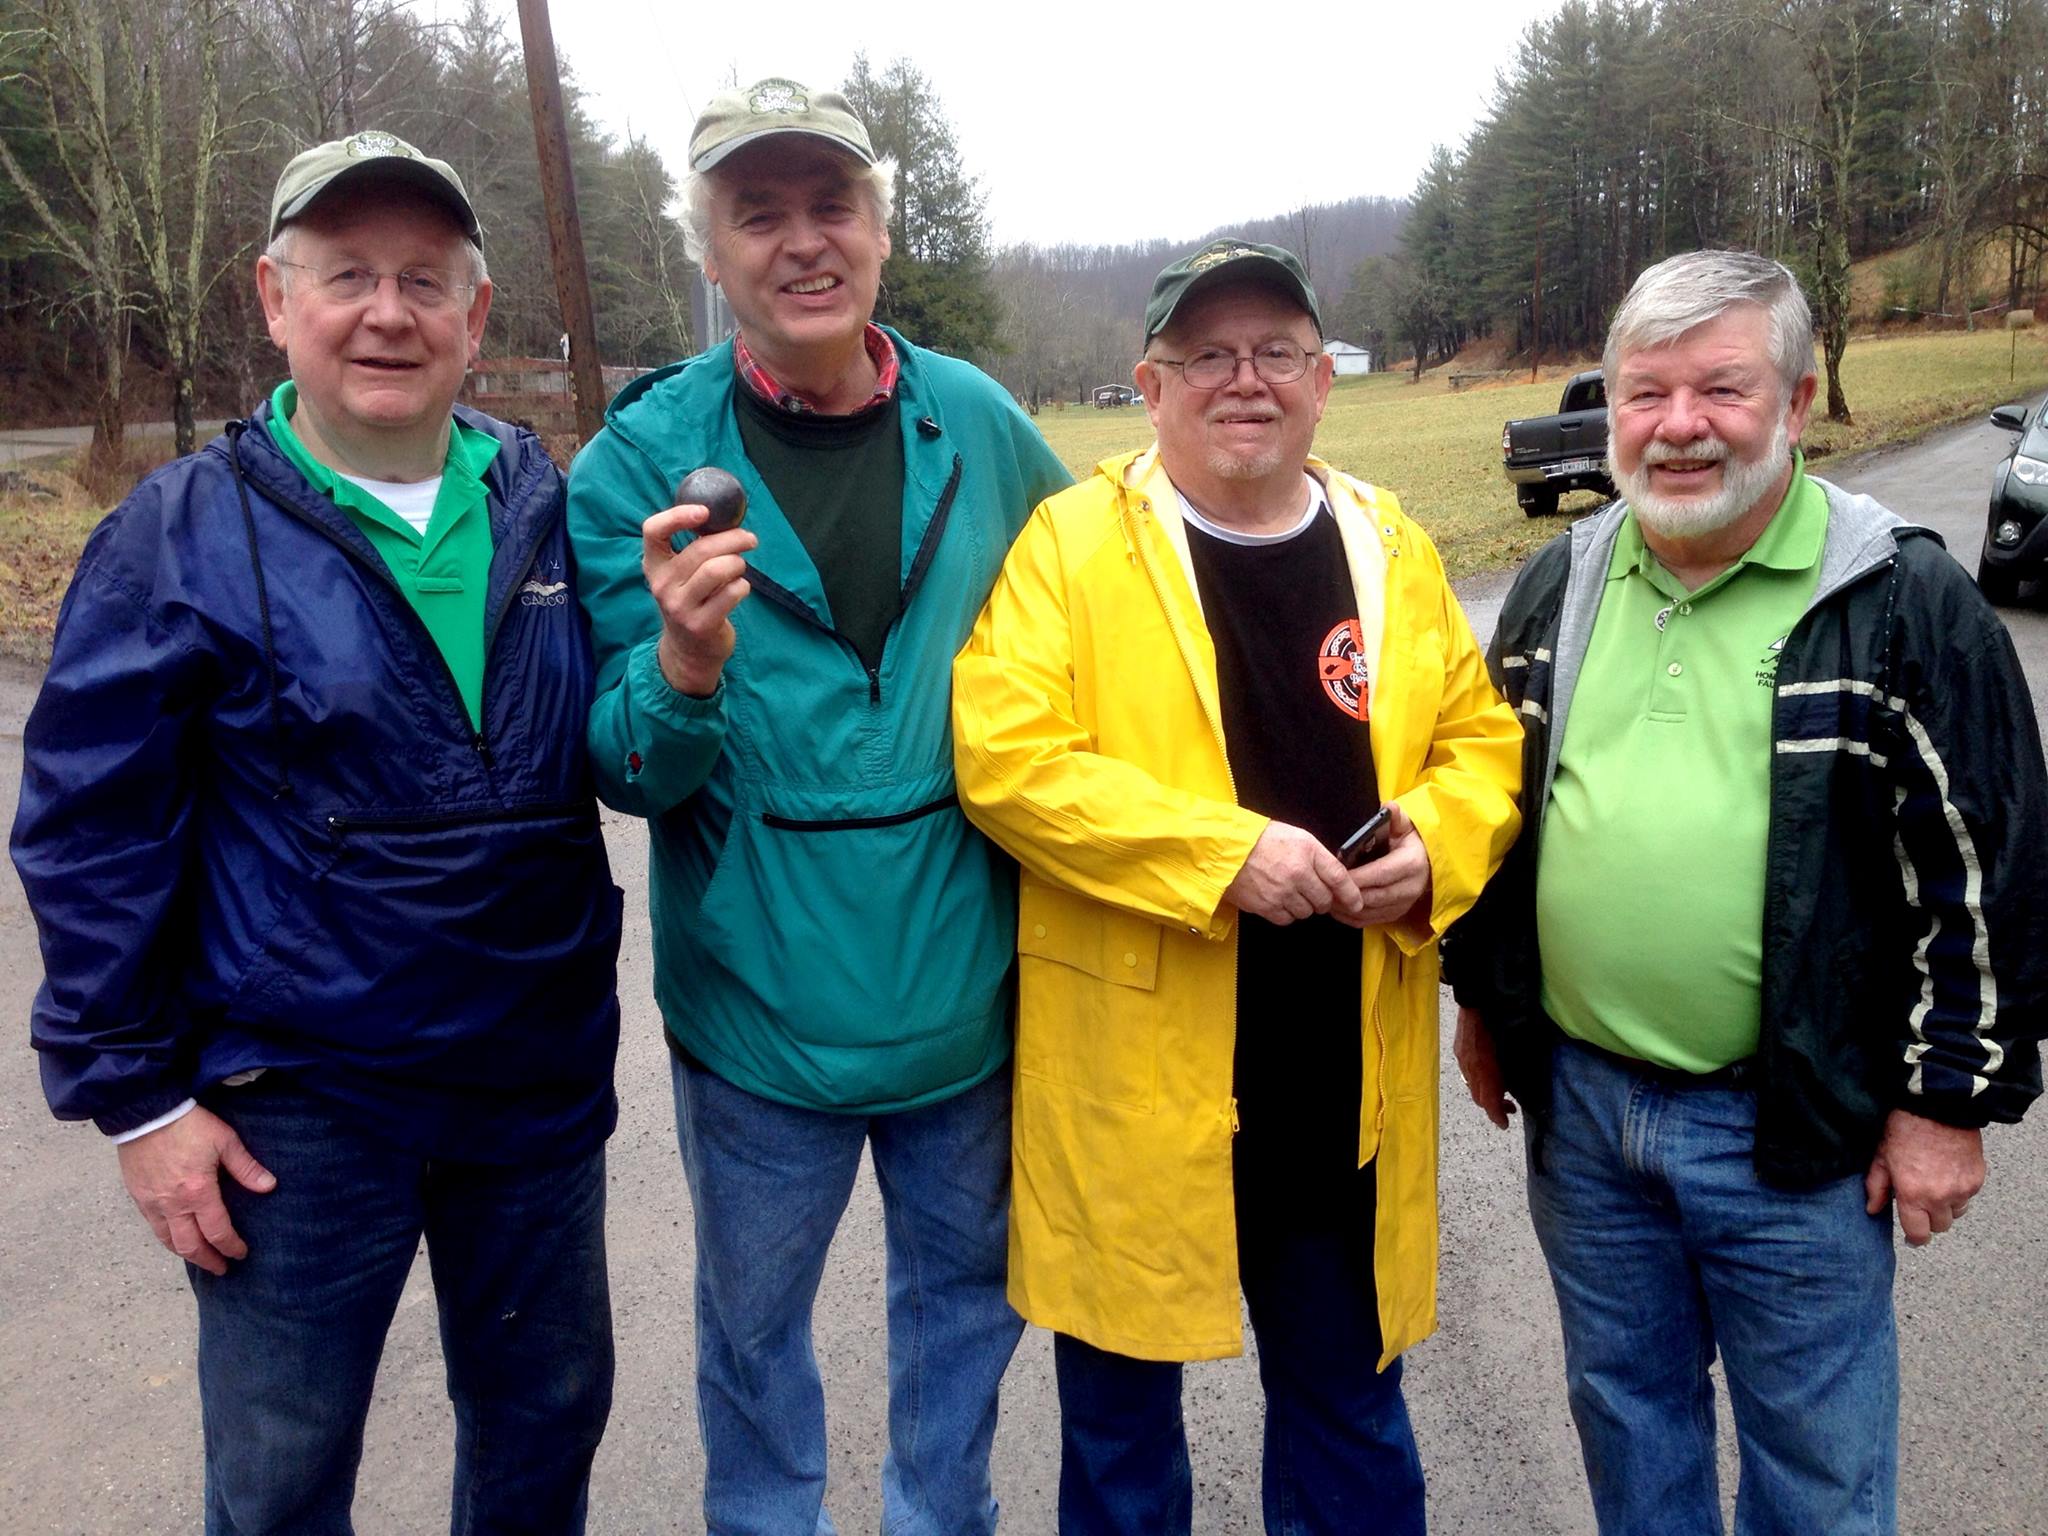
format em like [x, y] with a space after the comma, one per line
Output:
[839, 481]
[443, 572]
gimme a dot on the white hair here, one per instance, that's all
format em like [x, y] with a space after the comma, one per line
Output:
[280, 252]
[878, 181]
[1685, 292]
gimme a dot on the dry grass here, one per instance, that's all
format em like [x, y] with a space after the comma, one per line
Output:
[44, 518]
[1439, 451]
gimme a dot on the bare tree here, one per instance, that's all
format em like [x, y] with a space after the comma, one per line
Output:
[80, 220]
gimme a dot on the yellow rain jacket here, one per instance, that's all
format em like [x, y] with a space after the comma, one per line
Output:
[1088, 741]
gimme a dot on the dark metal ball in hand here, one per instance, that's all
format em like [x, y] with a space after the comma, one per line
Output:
[717, 491]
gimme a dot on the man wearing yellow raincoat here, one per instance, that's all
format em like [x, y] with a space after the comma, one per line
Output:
[1198, 674]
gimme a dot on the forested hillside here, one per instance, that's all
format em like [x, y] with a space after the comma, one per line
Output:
[1073, 313]
[1818, 131]
[140, 139]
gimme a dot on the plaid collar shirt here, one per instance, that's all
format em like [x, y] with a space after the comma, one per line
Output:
[881, 351]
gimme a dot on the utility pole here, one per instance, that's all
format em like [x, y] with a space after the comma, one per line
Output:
[565, 229]
[1536, 299]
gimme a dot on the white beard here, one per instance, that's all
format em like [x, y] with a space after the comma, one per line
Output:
[1743, 482]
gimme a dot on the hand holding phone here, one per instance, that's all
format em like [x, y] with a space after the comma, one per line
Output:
[1370, 841]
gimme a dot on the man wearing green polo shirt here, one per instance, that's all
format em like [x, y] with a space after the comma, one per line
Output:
[1766, 957]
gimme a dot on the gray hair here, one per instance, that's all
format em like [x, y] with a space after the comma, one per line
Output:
[280, 251]
[878, 181]
[1684, 292]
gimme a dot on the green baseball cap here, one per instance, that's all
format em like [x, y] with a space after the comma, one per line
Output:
[733, 119]
[370, 156]
[1228, 261]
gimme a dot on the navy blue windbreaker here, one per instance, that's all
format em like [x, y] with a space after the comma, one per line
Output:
[257, 829]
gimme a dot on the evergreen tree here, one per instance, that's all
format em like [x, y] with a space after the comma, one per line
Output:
[935, 284]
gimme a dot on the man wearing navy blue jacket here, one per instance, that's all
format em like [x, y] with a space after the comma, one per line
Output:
[327, 924]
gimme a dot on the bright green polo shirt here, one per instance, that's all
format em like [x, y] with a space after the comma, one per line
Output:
[1650, 884]
[444, 572]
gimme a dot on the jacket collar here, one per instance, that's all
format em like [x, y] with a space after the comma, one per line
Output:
[1373, 541]
[695, 418]
[516, 479]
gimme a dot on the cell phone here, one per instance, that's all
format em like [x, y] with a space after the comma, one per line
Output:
[1369, 841]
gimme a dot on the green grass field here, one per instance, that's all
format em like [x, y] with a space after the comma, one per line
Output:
[1439, 450]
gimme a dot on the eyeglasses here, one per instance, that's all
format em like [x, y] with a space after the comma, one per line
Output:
[419, 287]
[1277, 362]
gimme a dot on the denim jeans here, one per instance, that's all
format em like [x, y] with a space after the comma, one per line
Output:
[769, 1183]
[1664, 1246]
[1339, 1458]
[290, 1337]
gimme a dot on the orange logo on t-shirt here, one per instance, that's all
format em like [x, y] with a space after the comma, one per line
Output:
[1341, 666]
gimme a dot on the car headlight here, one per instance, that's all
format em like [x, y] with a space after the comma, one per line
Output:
[2029, 471]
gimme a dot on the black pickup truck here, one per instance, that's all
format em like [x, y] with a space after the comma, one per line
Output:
[1545, 456]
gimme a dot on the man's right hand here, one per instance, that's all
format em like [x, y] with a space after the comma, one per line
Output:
[173, 1176]
[696, 588]
[1479, 1065]
[1290, 875]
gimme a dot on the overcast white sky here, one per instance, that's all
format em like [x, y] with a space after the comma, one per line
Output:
[1112, 121]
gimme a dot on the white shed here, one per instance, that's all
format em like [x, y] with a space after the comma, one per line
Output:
[1350, 360]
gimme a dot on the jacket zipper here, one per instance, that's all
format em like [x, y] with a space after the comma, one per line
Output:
[339, 827]
[478, 743]
[787, 600]
[858, 823]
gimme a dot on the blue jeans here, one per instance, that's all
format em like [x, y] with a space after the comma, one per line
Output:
[1339, 1457]
[290, 1337]
[769, 1183]
[1663, 1246]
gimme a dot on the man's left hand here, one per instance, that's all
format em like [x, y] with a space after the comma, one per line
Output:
[1931, 1170]
[1396, 882]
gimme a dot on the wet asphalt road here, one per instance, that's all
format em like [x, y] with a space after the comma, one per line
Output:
[99, 1428]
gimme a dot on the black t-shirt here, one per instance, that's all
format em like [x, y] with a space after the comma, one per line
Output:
[1290, 674]
[839, 481]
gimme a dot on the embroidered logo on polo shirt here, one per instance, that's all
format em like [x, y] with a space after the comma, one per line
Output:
[1340, 664]
[1767, 669]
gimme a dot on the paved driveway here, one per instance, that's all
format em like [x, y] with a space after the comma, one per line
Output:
[99, 1415]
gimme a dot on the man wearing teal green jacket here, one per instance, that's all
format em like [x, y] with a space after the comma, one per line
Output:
[832, 940]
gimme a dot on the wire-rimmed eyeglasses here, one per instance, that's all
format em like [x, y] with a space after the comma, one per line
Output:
[420, 287]
[1275, 362]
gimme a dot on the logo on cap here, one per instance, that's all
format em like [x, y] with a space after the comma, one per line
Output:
[1208, 259]
[778, 96]
[373, 143]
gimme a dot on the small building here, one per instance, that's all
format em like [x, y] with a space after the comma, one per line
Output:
[1350, 360]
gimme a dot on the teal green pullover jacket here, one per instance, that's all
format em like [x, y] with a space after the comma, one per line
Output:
[829, 931]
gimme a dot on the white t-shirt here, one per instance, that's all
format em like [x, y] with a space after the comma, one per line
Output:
[1193, 515]
[412, 500]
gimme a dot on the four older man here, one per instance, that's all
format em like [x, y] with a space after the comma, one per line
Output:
[328, 927]
[306, 826]
[1774, 947]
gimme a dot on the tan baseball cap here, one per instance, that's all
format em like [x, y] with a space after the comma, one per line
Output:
[369, 156]
[734, 119]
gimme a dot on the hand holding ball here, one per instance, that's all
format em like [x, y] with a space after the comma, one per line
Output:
[719, 493]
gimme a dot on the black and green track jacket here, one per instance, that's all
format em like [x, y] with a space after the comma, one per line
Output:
[1905, 957]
